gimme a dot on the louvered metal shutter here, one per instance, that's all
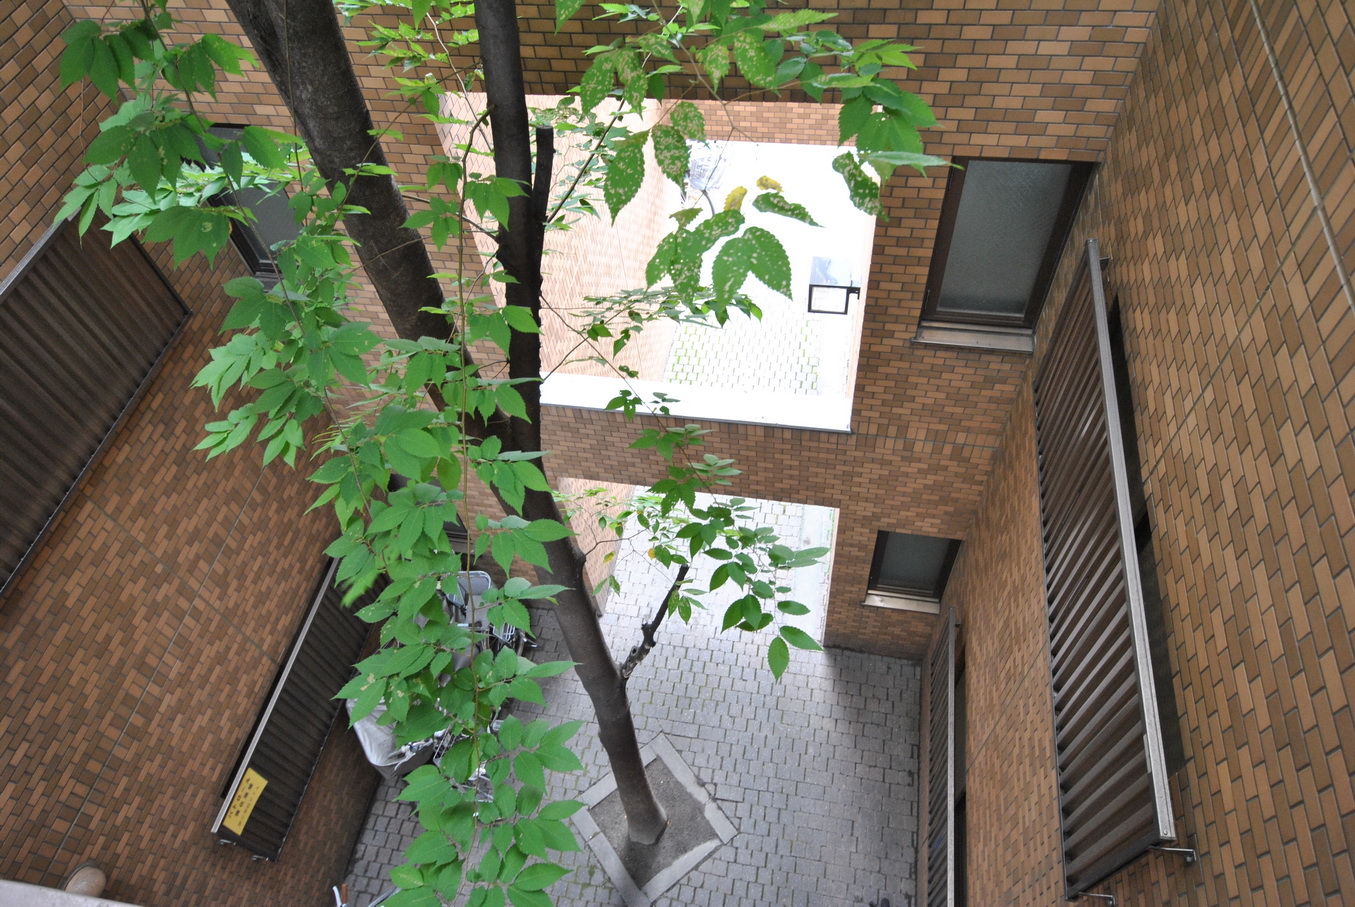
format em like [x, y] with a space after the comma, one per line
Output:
[1112, 774]
[937, 879]
[82, 328]
[265, 794]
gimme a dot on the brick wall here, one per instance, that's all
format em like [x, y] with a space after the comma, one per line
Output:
[1005, 80]
[1227, 206]
[1241, 340]
[139, 645]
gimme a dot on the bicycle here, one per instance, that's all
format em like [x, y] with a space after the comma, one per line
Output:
[341, 896]
[378, 740]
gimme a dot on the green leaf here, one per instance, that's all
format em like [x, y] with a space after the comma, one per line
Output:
[245, 311]
[789, 607]
[687, 118]
[192, 230]
[662, 259]
[406, 876]
[778, 657]
[671, 152]
[103, 70]
[906, 159]
[864, 191]
[144, 162]
[523, 898]
[225, 54]
[78, 56]
[776, 203]
[539, 876]
[917, 111]
[795, 21]
[559, 759]
[262, 145]
[715, 60]
[851, 117]
[560, 809]
[547, 530]
[757, 67]
[565, 10]
[110, 145]
[768, 260]
[529, 770]
[413, 897]
[800, 639]
[520, 319]
[624, 177]
[731, 267]
[596, 83]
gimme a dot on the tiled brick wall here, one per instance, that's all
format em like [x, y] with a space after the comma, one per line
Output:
[1240, 338]
[138, 646]
[1005, 79]
[926, 420]
[1232, 229]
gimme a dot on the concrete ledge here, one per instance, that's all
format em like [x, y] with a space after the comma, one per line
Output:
[709, 403]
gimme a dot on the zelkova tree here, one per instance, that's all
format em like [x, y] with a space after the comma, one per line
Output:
[396, 465]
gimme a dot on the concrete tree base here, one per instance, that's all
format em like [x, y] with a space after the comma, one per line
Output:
[696, 828]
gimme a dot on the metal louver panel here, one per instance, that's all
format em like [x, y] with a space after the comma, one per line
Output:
[265, 794]
[83, 326]
[938, 857]
[1112, 774]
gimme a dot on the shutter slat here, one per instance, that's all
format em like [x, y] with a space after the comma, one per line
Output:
[83, 326]
[936, 877]
[1113, 796]
[290, 736]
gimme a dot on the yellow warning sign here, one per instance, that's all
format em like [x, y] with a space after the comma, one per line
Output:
[242, 804]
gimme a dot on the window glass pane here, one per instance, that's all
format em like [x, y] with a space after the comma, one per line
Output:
[274, 221]
[1003, 226]
[914, 564]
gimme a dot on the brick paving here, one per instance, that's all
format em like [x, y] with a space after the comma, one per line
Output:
[818, 773]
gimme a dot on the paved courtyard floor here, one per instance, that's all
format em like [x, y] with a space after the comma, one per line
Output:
[817, 772]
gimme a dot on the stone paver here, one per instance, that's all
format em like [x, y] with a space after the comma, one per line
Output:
[818, 773]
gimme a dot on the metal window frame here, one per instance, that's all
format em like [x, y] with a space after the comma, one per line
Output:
[266, 838]
[943, 576]
[248, 243]
[1078, 179]
[848, 292]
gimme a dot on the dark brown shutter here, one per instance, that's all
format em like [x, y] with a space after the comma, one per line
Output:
[83, 326]
[937, 878]
[1112, 774]
[265, 794]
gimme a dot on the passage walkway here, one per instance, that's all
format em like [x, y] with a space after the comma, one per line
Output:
[817, 773]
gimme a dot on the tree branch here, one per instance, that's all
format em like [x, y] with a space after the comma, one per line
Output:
[638, 653]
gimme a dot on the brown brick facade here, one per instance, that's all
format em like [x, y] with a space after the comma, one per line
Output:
[1229, 249]
[1226, 197]
[139, 645]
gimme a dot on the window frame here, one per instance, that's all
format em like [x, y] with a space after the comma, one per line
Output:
[933, 596]
[939, 326]
[255, 253]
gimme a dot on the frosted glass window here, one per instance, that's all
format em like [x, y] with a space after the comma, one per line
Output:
[1003, 226]
[917, 565]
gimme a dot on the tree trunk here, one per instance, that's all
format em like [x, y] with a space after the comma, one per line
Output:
[301, 46]
[520, 248]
